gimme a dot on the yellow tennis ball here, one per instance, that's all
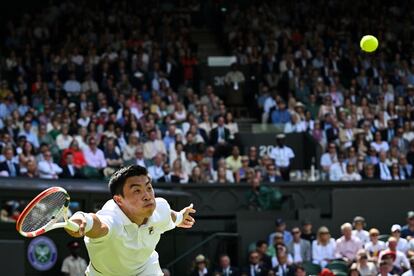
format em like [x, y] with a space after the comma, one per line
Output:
[369, 43]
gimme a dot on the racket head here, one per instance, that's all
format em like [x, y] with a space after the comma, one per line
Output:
[43, 212]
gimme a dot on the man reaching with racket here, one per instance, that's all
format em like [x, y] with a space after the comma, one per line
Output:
[122, 236]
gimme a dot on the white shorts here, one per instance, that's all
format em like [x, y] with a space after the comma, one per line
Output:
[150, 268]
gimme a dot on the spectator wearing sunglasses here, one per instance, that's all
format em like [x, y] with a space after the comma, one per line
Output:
[299, 248]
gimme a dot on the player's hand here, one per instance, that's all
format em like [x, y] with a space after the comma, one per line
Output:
[188, 220]
[81, 221]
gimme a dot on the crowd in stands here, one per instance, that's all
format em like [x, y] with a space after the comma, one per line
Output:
[300, 251]
[312, 77]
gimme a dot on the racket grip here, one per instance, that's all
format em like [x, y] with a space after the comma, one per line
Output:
[72, 226]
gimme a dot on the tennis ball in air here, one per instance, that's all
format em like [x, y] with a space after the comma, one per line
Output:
[369, 43]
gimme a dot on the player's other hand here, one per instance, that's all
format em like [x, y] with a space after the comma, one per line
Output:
[188, 220]
[81, 221]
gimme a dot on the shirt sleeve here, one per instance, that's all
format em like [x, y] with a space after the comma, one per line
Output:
[163, 207]
[65, 266]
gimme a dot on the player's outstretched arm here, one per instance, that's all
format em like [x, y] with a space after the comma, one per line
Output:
[183, 218]
[89, 225]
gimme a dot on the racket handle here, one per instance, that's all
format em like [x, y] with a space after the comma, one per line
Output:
[70, 225]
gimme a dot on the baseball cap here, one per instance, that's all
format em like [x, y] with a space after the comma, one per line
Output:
[279, 221]
[410, 214]
[395, 227]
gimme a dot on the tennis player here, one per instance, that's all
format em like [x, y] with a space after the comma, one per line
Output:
[122, 236]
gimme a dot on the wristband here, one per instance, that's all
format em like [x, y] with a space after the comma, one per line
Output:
[178, 218]
[88, 218]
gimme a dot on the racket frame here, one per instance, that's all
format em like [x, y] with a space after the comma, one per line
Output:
[52, 224]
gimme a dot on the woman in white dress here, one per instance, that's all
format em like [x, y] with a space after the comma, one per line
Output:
[323, 248]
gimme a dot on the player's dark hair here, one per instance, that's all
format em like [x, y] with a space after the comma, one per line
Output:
[118, 179]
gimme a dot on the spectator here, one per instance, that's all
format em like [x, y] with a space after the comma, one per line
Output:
[365, 267]
[32, 171]
[347, 246]
[402, 244]
[95, 159]
[254, 268]
[260, 197]
[130, 149]
[112, 157]
[384, 269]
[282, 155]
[283, 267]
[231, 126]
[220, 137]
[168, 177]
[329, 158]
[374, 246]
[307, 233]
[69, 170]
[26, 155]
[63, 140]
[200, 267]
[406, 169]
[47, 168]
[281, 115]
[323, 248]
[338, 169]
[225, 267]
[410, 272]
[300, 249]
[407, 231]
[351, 174]
[178, 175]
[234, 161]
[280, 227]
[359, 232]
[369, 172]
[29, 134]
[382, 170]
[153, 146]
[77, 155]
[8, 165]
[156, 171]
[262, 248]
[196, 176]
[272, 175]
[400, 260]
[73, 265]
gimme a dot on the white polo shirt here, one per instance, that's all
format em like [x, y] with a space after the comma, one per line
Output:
[127, 247]
[282, 156]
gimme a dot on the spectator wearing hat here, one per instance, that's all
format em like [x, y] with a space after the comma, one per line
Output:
[402, 244]
[323, 248]
[299, 248]
[400, 260]
[280, 227]
[363, 265]
[200, 266]
[374, 246]
[282, 156]
[73, 265]
[411, 271]
[359, 232]
[347, 246]
[407, 231]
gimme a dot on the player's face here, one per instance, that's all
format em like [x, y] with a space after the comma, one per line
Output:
[138, 200]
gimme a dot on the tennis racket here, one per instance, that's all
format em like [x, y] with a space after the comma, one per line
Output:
[47, 211]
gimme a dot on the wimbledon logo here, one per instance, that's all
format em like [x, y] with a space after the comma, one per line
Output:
[42, 253]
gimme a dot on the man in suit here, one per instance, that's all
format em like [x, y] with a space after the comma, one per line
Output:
[225, 268]
[167, 177]
[220, 138]
[347, 134]
[382, 171]
[69, 170]
[8, 165]
[299, 248]
[254, 267]
[283, 268]
[405, 168]
[261, 248]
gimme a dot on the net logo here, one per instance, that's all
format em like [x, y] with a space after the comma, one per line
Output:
[42, 253]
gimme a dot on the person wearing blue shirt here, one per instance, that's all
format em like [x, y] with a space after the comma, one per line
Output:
[408, 229]
[281, 115]
[281, 228]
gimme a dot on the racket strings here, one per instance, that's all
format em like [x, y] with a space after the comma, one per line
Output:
[46, 210]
